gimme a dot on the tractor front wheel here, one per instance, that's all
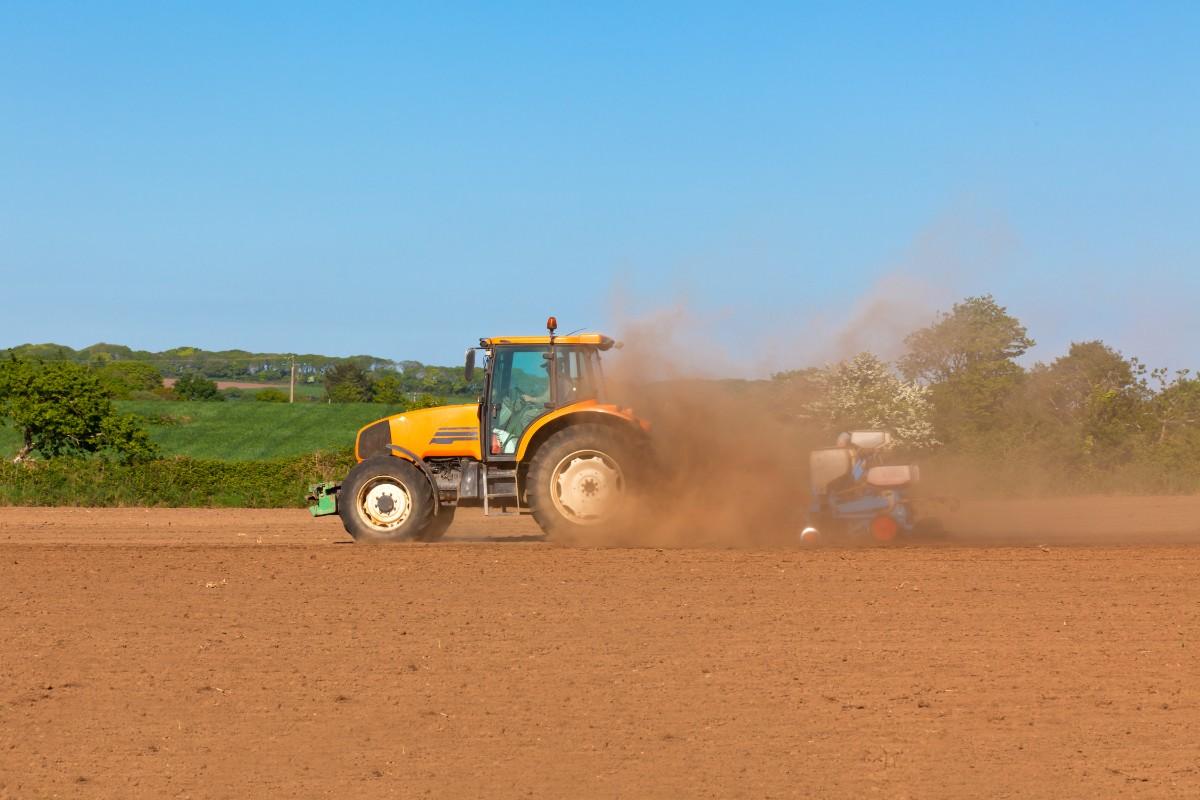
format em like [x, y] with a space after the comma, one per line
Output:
[386, 499]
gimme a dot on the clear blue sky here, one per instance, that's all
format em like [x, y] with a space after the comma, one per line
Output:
[399, 180]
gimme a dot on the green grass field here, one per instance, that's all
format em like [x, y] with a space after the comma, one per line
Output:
[304, 391]
[245, 431]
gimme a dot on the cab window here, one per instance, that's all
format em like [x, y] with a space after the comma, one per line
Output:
[577, 376]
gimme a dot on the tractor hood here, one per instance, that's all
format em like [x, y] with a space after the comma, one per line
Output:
[445, 431]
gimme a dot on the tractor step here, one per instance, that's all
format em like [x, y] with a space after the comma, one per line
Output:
[498, 484]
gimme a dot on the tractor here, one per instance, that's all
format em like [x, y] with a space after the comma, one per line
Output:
[544, 439]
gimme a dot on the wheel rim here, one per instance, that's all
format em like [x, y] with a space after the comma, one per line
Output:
[384, 503]
[585, 486]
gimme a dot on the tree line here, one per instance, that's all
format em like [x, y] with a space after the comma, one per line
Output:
[958, 396]
[233, 365]
[418, 385]
[1089, 418]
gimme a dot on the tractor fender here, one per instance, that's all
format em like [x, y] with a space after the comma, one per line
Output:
[408, 455]
[543, 427]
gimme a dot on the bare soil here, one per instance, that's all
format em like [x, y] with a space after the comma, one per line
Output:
[1043, 649]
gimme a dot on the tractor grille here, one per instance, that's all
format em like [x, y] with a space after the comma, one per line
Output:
[374, 440]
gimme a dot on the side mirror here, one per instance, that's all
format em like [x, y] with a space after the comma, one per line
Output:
[469, 367]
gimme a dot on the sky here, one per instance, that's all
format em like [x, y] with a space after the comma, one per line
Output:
[789, 180]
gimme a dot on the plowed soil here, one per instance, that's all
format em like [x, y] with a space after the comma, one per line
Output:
[1043, 649]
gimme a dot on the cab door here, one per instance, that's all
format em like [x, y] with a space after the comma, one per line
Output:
[519, 392]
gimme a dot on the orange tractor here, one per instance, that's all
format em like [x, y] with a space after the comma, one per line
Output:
[543, 439]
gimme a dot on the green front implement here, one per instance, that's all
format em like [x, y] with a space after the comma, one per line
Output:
[323, 498]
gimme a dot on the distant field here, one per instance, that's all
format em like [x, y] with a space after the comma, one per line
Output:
[251, 388]
[304, 391]
[244, 431]
[250, 431]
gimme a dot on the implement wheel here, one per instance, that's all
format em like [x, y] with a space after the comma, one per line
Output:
[385, 499]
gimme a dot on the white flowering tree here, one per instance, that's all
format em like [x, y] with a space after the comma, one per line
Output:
[864, 392]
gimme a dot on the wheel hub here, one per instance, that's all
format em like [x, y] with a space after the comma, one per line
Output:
[585, 486]
[385, 504]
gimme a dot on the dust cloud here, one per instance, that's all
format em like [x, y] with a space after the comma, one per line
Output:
[728, 457]
[727, 460]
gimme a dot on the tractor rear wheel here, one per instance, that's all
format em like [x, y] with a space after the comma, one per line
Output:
[438, 525]
[579, 479]
[385, 499]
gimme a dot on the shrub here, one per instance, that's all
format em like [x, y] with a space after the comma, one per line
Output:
[347, 383]
[426, 400]
[194, 386]
[271, 396]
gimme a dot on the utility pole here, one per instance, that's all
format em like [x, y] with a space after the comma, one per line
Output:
[292, 392]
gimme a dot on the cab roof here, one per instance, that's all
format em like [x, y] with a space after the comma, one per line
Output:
[594, 339]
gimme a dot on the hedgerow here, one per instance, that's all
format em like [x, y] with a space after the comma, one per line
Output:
[173, 482]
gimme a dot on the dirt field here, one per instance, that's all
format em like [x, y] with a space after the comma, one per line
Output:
[235, 654]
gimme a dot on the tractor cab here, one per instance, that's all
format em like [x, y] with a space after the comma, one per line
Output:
[530, 377]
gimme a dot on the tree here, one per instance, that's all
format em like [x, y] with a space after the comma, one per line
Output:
[977, 333]
[968, 358]
[1090, 370]
[123, 378]
[388, 389]
[62, 408]
[1175, 409]
[347, 383]
[1088, 407]
[194, 386]
[864, 393]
